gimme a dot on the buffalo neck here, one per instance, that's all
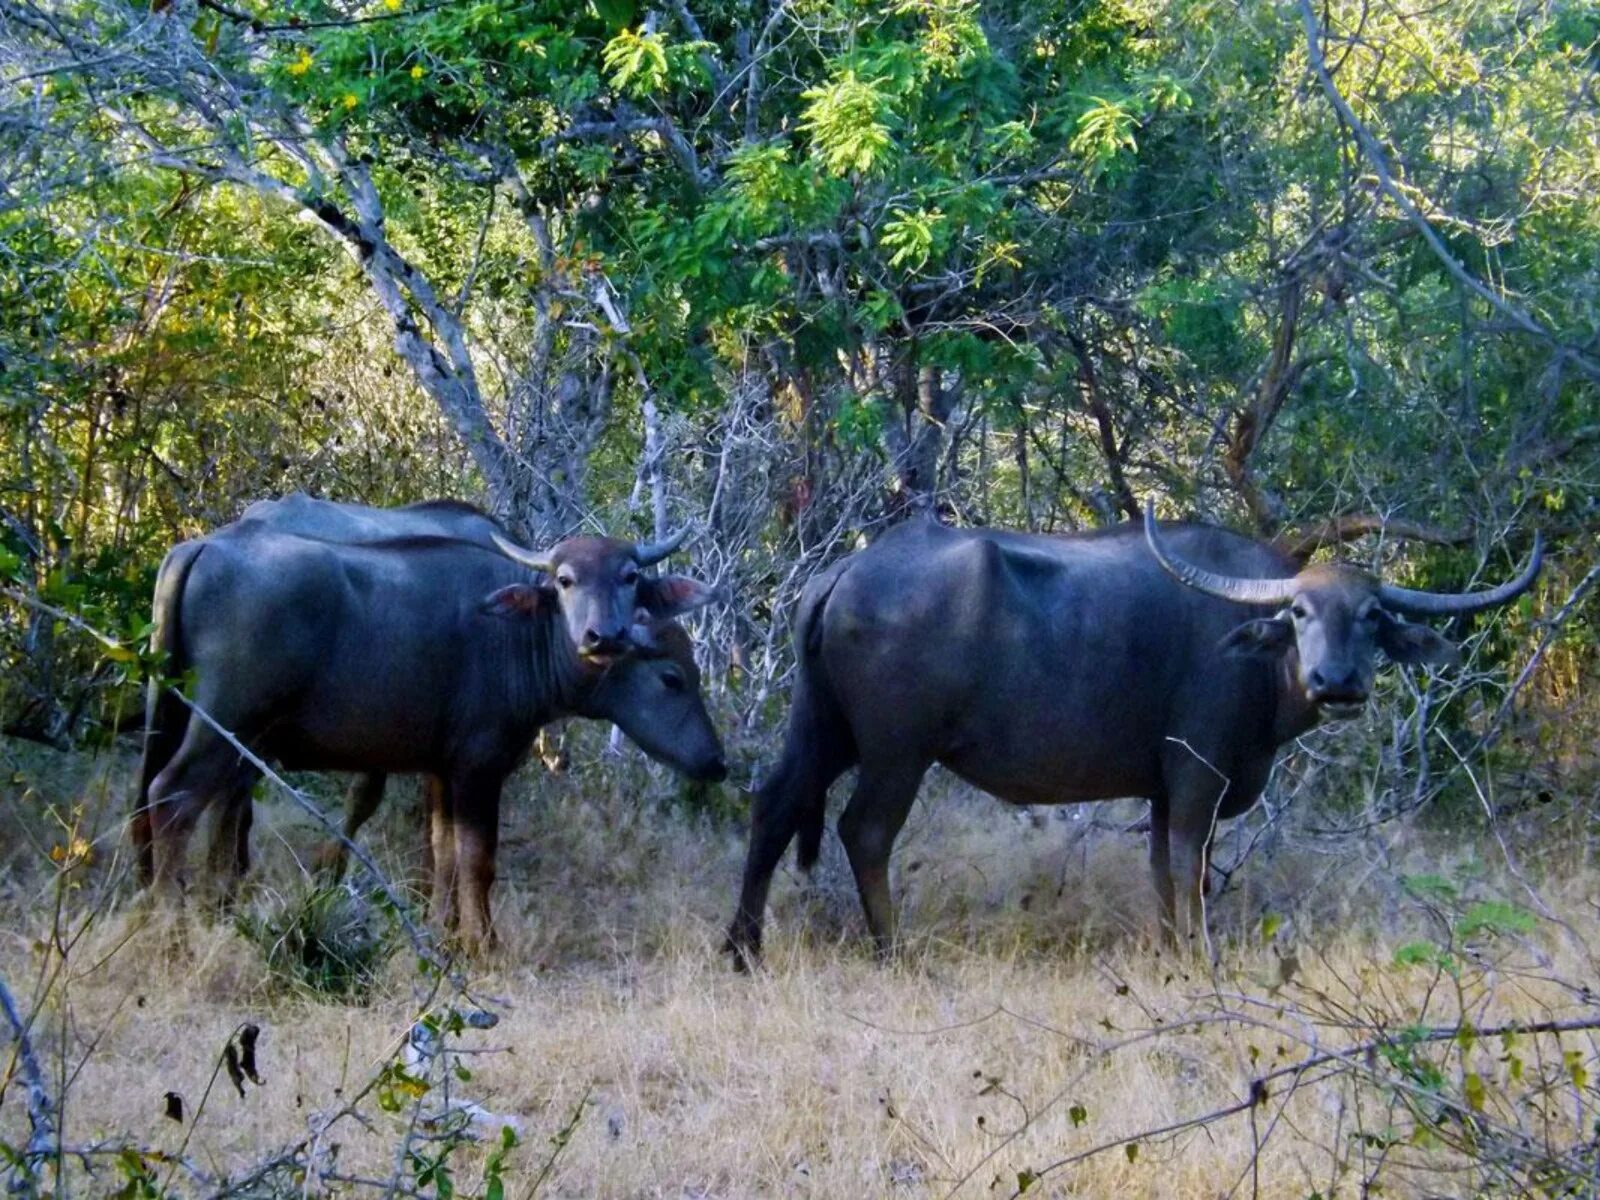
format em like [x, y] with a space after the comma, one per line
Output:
[1293, 714]
[545, 677]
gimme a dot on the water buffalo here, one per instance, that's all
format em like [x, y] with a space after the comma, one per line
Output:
[600, 589]
[599, 580]
[426, 655]
[1049, 670]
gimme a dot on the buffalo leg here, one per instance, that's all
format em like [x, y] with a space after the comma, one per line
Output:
[366, 793]
[799, 787]
[433, 801]
[439, 817]
[475, 824]
[1193, 821]
[1161, 867]
[228, 861]
[868, 827]
[204, 768]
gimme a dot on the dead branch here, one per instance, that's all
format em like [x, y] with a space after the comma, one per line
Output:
[1279, 377]
[43, 1138]
[1336, 531]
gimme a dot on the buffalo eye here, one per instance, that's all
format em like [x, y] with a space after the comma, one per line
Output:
[565, 581]
[673, 680]
[630, 574]
[1298, 611]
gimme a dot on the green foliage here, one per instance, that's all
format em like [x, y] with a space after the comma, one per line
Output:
[636, 62]
[849, 121]
[330, 942]
[1052, 206]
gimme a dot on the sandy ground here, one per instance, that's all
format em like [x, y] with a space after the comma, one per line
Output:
[1032, 1017]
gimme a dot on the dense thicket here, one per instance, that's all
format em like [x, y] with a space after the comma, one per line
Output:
[790, 271]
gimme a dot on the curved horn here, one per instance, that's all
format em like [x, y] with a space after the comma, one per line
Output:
[650, 553]
[1440, 604]
[1225, 587]
[528, 558]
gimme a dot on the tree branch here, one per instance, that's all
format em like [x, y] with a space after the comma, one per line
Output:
[43, 1139]
[1346, 528]
[1380, 165]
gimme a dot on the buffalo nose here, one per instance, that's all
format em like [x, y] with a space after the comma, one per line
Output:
[1335, 684]
[597, 642]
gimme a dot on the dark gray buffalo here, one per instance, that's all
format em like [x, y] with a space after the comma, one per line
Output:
[419, 655]
[603, 594]
[600, 582]
[1051, 670]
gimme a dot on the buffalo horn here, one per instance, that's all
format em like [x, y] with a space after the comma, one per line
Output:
[528, 558]
[1226, 587]
[1442, 604]
[650, 553]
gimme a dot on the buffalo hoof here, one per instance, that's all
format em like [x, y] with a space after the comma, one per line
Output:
[746, 954]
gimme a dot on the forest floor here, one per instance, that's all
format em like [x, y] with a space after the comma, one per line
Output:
[1032, 1017]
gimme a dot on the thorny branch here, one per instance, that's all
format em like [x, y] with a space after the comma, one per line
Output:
[43, 1138]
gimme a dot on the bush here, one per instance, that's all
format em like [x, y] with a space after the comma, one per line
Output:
[332, 942]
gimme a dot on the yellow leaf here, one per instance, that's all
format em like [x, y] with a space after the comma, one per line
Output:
[1474, 1090]
[302, 64]
[351, 99]
[392, 5]
[418, 71]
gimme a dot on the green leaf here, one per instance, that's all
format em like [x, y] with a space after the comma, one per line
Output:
[1429, 887]
[909, 235]
[1416, 954]
[1026, 1179]
[1495, 916]
[1132, 1151]
[1103, 132]
[1473, 1087]
[1270, 924]
[122, 654]
[1078, 1114]
[637, 62]
[848, 121]
[1576, 1069]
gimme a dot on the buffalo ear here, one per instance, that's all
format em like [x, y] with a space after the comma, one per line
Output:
[673, 595]
[515, 600]
[1267, 635]
[1404, 642]
[642, 632]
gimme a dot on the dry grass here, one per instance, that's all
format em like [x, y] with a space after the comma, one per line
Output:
[1030, 1019]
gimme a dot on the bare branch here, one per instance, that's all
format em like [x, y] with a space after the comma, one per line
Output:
[1338, 530]
[1386, 179]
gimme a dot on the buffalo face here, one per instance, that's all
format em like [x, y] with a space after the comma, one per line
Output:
[1338, 627]
[653, 696]
[1338, 619]
[598, 584]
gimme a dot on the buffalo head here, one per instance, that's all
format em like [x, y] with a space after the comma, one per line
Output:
[653, 696]
[599, 584]
[1337, 617]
